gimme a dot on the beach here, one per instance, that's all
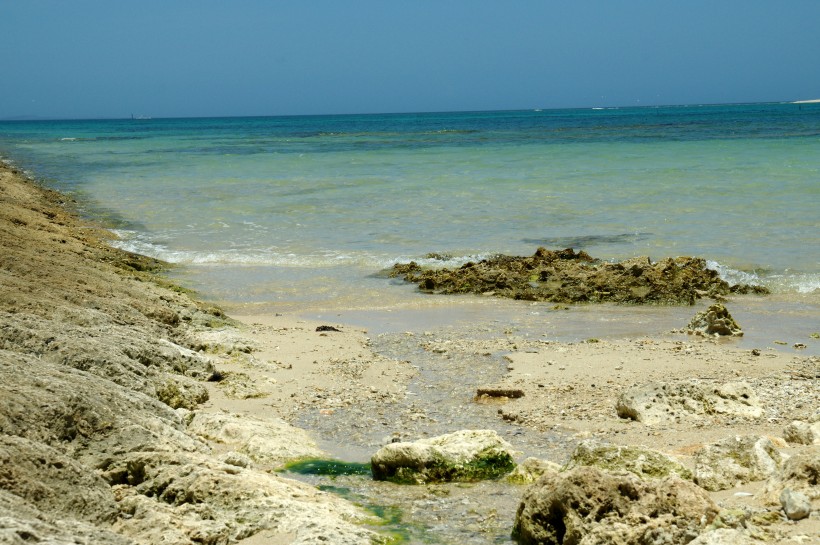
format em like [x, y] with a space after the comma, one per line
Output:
[154, 413]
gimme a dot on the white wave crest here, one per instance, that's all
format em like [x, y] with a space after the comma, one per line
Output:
[778, 282]
[734, 276]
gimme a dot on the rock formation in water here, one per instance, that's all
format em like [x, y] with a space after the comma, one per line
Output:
[566, 276]
[467, 455]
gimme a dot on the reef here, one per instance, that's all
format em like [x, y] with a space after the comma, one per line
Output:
[567, 276]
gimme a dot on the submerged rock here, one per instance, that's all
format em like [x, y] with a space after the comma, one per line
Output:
[588, 506]
[715, 320]
[566, 276]
[736, 460]
[639, 461]
[467, 455]
[661, 403]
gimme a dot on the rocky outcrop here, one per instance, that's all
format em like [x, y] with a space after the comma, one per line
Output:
[82, 415]
[467, 455]
[714, 321]
[23, 524]
[736, 460]
[189, 498]
[643, 462]
[566, 276]
[587, 506]
[662, 403]
[53, 482]
[260, 440]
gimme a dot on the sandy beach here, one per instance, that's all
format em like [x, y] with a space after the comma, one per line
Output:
[155, 414]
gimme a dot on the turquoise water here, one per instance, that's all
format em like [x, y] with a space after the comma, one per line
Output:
[304, 210]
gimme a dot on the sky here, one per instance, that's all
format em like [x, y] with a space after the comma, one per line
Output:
[193, 58]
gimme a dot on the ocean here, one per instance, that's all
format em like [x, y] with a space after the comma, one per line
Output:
[303, 212]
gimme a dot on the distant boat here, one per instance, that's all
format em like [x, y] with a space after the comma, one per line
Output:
[140, 117]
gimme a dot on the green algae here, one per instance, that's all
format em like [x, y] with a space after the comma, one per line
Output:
[387, 520]
[328, 468]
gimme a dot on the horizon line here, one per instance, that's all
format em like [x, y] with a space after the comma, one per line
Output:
[142, 117]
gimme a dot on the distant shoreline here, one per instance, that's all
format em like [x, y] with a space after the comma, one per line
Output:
[812, 101]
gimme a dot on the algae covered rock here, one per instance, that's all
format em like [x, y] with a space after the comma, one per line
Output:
[587, 506]
[467, 455]
[715, 320]
[736, 460]
[567, 276]
[640, 461]
[662, 403]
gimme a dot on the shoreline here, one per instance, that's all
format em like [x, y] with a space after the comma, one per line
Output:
[87, 313]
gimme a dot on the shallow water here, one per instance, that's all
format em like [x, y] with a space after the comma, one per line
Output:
[302, 210]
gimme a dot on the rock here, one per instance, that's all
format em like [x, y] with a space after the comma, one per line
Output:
[23, 524]
[587, 506]
[736, 460]
[82, 415]
[661, 403]
[189, 498]
[511, 393]
[179, 391]
[715, 320]
[802, 433]
[640, 461]
[800, 473]
[237, 459]
[796, 505]
[52, 482]
[467, 455]
[260, 440]
[531, 469]
[735, 399]
[566, 276]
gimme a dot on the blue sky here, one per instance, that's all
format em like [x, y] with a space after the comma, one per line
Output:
[104, 58]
